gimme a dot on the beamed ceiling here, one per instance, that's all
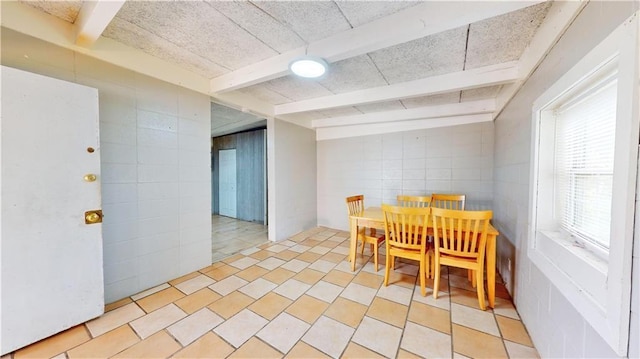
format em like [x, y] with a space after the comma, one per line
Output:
[394, 65]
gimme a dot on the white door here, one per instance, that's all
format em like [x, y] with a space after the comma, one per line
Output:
[227, 182]
[51, 259]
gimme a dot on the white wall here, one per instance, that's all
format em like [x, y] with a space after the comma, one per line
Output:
[291, 172]
[451, 159]
[155, 147]
[555, 326]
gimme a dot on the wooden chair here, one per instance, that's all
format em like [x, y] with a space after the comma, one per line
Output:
[355, 204]
[413, 201]
[448, 201]
[405, 232]
[459, 240]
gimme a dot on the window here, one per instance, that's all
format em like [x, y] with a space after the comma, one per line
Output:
[583, 183]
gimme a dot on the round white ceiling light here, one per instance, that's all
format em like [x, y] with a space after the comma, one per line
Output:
[308, 66]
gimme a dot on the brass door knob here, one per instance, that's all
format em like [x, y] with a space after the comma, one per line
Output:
[90, 177]
[92, 217]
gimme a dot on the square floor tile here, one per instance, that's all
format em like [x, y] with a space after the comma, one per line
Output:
[277, 248]
[329, 336]
[368, 279]
[304, 350]
[357, 351]
[150, 291]
[271, 263]
[431, 317]
[278, 275]
[114, 319]
[249, 251]
[442, 302]
[359, 293]
[157, 320]
[516, 350]
[54, 345]
[513, 330]
[286, 255]
[309, 276]
[228, 285]
[106, 345]
[255, 348]
[258, 288]
[483, 321]
[231, 304]
[416, 337]
[270, 305]
[346, 311]
[322, 266]
[309, 257]
[299, 248]
[159, 345]
[198, 300]
[244, 263]
[476, 344]
[345, 266]
[209, 345]
[396, 293]
[295, 265]
[338, 278]
[252, 273]
[262, 255]
[341, 250]
[195, 284]
[239, 328]
[319, 250]
[307, 308]
[378, 336]
[325, 291]
[283, 332]
[192, 327]
[159, 299]
[221, 272]
[505, 308]
[387, 311]
[292, 289]
[117, 304]
[287, 243]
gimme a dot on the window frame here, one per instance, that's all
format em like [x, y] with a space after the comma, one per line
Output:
[600, 290]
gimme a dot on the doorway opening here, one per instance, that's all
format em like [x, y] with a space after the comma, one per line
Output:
[238, 181]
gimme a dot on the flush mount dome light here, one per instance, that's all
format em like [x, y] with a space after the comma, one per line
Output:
[308, 66]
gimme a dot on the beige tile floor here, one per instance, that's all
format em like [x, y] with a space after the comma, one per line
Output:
[230, 236]
[297, 299]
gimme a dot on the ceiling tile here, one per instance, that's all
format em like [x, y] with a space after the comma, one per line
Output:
[260, 24]
[441, 99]
[362, 12]
[261, 92]
[198, 28]
[311, 20]
[65, 10]
[481, 93]
[352, 74]
[381, 107]
[132, 35]
[429, 56]
[297, 88]
[503, 38]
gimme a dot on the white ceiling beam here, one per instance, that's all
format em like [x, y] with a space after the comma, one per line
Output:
[93, 18]
[454, 109]
[455, 81]
[413, 23]
[558, 19]
[328, 133]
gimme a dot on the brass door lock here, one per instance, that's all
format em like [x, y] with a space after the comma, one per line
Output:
[92, 217]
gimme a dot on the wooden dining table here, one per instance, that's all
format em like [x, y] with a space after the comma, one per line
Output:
[372, 217]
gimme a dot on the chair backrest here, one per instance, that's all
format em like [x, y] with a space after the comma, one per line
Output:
[413, 201]
[460, 233]
[406, 227]
[448, 201]
[355, 204]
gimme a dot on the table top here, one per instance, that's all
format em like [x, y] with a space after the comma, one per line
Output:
[375, 214]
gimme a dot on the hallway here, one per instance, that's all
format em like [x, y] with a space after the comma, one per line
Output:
[230, 236]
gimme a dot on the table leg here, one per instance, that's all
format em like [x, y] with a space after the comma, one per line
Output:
[354, 240]
[491, 269]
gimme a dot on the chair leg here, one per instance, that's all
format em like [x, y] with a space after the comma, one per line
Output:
[387, 267]
[472, 277]
[423, 280]
[436, 279]
[362, 249]
[375, 256]
[480, 289]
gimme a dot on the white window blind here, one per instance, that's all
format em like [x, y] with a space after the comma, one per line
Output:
[585, 143]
